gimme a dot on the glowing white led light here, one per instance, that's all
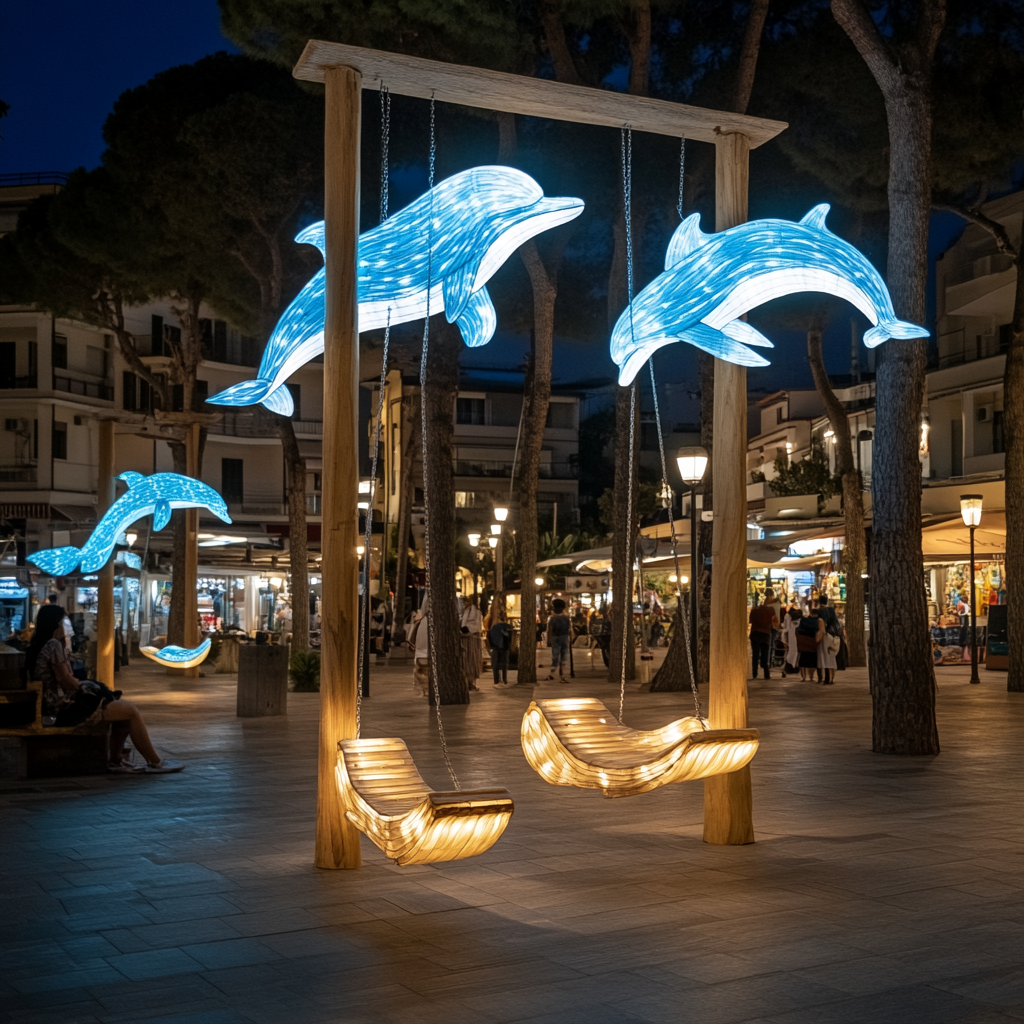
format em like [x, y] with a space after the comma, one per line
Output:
[480, 217]
[157, 495]
[711, 280]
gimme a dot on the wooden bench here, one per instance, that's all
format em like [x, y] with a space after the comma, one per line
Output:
[31, 750]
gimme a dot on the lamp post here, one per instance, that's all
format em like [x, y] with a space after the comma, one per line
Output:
[500, 514]
[692, 461]
[474, 543]
[970, 512]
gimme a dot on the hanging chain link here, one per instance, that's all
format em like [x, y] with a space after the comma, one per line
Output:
[385, 177]
[682, 171]
[675, 549]
[426, 493]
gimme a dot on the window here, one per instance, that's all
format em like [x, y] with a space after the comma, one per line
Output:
[144, 405]
[998, 436]
[33, 361]
[231, 484]
[296, 390]
[560, 416]
[60, 352]
[60, 440]
[780, 414]
[129, 394]
[465, 499]
[201, 393]
[470, 411]
[8, 364]
[1005, 335]
[156, 340]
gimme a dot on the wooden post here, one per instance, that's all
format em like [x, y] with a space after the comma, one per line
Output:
[105, 604]
[728, 810]
[192, 551]
[337, 840]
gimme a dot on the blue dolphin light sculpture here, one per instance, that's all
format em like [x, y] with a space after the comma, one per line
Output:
[178, 657]
[479, 218]
[155, 495]
[711, 280]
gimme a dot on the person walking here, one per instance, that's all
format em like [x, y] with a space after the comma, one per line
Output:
[472, 654]
[763, 621]
[789, 625]
[828, 648]
[559, 632]
[809, 633]
[499, 639]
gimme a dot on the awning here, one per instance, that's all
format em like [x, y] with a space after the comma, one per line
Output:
[81, 514]
[950, 541]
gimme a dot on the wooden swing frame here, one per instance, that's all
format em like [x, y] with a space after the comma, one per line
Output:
[345, 71]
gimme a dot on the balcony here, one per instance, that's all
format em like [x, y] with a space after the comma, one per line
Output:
[15, 383]
[256, 422]
[548, 470]
[85, 388]
[18, 474]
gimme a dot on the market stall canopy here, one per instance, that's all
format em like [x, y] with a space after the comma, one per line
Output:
[950, 540]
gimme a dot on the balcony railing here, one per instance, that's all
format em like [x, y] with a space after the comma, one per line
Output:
[18, 474]
[11, 383]
[257, 423]
[86, 388]
[548, 470]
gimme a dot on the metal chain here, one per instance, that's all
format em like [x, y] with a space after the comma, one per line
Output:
[675, 549]
[682, 169]
[426, 493]
[385, 143]
[385, 175]
[627, 203]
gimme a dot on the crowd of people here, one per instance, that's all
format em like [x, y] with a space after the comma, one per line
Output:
[808, 640]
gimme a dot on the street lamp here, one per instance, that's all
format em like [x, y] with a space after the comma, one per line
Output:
[692, 461]
[131, 537]
[539, 581]
[970, 512]
[474, 539]
[496, 529]
[500, 513]
[493, 541]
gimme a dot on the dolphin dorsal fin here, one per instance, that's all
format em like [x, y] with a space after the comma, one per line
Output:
[478, 320]
[457, 288]
[815, 217]
[688, 236]
[314, 235]
[131, 478]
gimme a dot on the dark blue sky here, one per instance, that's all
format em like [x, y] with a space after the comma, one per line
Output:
[63, 63]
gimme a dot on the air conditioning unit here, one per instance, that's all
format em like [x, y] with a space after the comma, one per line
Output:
[16, 426]
[985, 413]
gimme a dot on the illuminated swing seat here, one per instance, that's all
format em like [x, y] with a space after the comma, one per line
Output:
[579, 742]
[387, 800]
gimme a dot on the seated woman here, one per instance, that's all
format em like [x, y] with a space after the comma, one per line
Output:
[47, 660]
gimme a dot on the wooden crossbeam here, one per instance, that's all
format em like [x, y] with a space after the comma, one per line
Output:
[534, 97]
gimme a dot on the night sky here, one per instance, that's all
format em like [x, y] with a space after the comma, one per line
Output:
[63, 63]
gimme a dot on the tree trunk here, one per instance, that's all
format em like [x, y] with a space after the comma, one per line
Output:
[298, 551]
[1013, 424]
[700, 574]
[854, 562]
[674, 674]
[410, 438]
[622, 655]
[901, 670]
[438, 393]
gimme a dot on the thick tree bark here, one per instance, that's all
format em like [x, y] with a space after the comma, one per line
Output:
[674, 674]
[748, 55]
[410, 438]
[622, 655]
[298, 550]
[536, 396]
[901, 671]
[438, 396]
[854, 559]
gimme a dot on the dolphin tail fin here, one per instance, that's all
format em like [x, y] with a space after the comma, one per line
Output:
[719, 344]
[893, 329]
[57, 561]
[256, 392]
[478, 321]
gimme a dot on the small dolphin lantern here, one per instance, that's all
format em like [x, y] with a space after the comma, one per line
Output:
[157, 495]
[454, 237]
[178, 657]
[710, 281]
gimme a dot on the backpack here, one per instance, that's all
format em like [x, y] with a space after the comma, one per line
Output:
[498, 636]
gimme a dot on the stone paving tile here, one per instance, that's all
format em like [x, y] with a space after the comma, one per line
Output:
[880, 889]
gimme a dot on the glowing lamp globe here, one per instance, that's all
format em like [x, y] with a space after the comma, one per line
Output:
[500, 513]
[474, 539]
[496, 529]
[970, 509]
[692, 461]
[493, 541]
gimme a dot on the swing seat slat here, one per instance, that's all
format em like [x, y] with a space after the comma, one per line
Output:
[579, 742]
[387, 800]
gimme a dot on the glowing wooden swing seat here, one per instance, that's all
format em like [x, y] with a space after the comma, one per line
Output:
[387, 800]
[579, 742]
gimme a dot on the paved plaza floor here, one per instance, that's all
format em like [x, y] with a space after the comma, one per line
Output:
[880, 889]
